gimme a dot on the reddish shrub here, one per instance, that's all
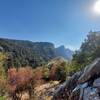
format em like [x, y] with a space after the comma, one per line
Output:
[20, 80]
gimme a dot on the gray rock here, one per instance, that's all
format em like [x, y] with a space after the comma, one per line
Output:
[91, 94]
[64, 91]
[96, 83]
[84, 92]
[77, 93]
[81, 86]
[1, 48]
[90, 71]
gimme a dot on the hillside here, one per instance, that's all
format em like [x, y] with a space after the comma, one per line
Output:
[22, 53]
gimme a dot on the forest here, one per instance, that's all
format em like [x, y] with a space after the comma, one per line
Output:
[27, 53]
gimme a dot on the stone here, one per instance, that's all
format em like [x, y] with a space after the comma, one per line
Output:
[90, 71]
[96, 83]
[64, 91]
[91, 93]
[77, 93]
[74, 95]
[84, 85]
[81, 86]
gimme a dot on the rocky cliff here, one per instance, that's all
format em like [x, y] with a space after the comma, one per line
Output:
[64, 52]
[83, 85]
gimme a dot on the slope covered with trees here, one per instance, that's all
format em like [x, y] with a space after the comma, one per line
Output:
[90, 50]
[23, 53]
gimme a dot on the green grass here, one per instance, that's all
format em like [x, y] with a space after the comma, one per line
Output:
[2, 98]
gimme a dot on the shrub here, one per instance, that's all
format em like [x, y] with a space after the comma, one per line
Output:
[2, 74]
[46, 73]
[20, 80]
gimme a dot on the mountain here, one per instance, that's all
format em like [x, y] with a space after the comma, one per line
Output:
[63, 52]
[23, 53]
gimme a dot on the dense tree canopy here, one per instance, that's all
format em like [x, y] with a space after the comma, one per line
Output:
[23, 53]
[90, 50]
[3, 58]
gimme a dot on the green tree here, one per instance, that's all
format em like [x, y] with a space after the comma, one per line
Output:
[61, 71]
[2, 74]
[46, 73]
[90, 50]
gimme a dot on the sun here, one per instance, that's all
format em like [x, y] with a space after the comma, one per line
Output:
[97, 7]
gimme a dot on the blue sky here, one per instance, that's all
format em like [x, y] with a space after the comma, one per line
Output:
[62, 22]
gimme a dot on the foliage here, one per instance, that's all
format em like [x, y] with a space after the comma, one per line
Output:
[3, 58]
[90, 50]
[38, 76]
[58, 69]
[61, 72]
[20, 80]
[2, 74]
[3, 87]
[2, 98]
[46, 73]
[24, 53]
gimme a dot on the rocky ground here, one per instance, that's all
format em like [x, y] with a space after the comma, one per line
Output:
[82, 85]
[45, 91]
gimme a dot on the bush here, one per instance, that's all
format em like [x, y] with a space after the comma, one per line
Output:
[61, 72]
[20, 80]
[2, 98]
[2, 74]
[3, 87]
[46, 73]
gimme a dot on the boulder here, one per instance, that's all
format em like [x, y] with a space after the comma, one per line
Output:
[82, 85]
[91, 71]
[65, 90]
[74, 95]
[84, 92]
[96, 83]
[77, 93]
[91, 93]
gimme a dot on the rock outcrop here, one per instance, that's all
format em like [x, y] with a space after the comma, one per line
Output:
[82, 85]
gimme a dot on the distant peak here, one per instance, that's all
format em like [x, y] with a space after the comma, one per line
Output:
[62, 46]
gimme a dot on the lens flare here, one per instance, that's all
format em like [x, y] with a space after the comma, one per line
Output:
[97, 7]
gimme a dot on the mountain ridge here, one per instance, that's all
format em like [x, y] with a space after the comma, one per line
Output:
[25, 52]
[64, 52]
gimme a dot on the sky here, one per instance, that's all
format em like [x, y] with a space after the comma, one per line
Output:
[62, 22]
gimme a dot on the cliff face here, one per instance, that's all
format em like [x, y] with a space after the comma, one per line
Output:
[82, 85]
[65, 53]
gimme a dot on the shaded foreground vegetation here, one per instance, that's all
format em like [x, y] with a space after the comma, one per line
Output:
[2, 98]
[16, 81]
